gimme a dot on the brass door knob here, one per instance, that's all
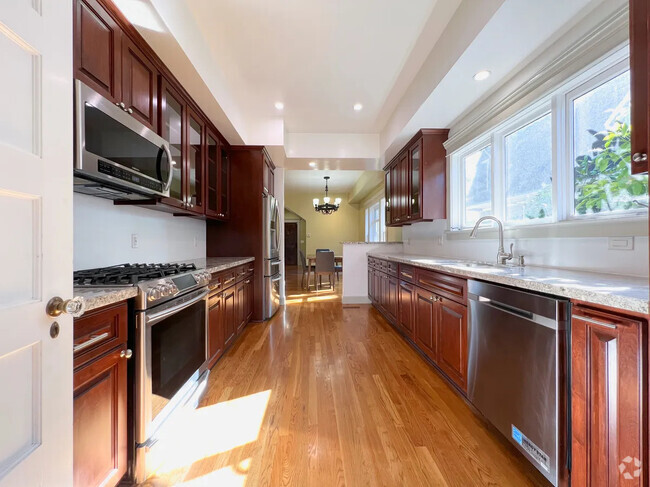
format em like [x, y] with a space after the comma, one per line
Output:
[74, 307]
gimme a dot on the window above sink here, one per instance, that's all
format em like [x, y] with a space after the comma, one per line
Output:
[562, 160]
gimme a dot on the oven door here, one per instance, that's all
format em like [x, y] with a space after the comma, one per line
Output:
[173, 344]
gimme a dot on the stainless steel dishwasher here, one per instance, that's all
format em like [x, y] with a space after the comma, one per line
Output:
[518, 371]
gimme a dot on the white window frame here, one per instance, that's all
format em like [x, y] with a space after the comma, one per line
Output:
[559, 104]
[381, 233]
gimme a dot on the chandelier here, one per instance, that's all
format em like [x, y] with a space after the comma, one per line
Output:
[327, 208]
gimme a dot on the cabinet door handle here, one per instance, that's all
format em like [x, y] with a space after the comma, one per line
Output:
[596, 322]
[640, 157]
[247, 281]
[89, 343]
[130, 110]
[127, 354]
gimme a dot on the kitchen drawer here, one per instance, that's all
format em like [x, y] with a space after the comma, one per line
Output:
[216, 284]
[99, 331]
[241, 272]
[391, 268]
[228, 278]
[454, 288]
[407, 273]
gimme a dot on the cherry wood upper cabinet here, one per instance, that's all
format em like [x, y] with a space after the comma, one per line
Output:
[139, 84]
[269, 176]
[194, 166]
[97, 49]
[640, 76]
[217, 178]
[452, 352]
[173, 113]
[224, 184]
[416, 180]
[388, 195]
[607, 397]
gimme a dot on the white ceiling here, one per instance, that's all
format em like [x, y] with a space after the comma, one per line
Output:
[341, 182]
[409, 63]
[318, 57]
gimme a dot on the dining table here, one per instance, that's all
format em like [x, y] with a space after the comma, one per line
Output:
[311, 262]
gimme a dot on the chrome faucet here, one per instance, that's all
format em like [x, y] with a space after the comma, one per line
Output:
[502, 255]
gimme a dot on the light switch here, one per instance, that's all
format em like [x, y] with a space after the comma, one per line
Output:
[621, 243]
[134, 241]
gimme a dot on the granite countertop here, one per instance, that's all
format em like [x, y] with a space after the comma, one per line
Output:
[97, 297]
[628, 293]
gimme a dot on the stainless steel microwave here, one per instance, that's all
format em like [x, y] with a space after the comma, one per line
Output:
[116, 156]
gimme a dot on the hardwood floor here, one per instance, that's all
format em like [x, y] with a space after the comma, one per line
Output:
[327, 395]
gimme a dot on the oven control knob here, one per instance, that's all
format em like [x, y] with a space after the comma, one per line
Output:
[165, 289]
[153, 294]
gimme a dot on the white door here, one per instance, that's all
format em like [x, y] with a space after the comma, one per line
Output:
[36, 140]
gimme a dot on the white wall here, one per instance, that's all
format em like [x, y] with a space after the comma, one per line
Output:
[583, 253]
[102, 234]
[355, 269]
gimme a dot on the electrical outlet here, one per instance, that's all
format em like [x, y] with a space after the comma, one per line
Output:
[309, 235]
[195, 241]
[134, 240]
[439, 240]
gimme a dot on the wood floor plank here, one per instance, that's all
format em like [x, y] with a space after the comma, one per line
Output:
[326, 395]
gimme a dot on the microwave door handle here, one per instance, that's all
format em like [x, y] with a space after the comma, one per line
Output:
[171, 168]
[152, 319]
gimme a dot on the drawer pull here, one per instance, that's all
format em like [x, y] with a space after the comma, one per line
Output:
[406, 274]
[229, 280]
[89, 343]
[595, 322]
[247, 281]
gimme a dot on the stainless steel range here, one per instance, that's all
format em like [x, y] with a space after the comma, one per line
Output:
[171, 317]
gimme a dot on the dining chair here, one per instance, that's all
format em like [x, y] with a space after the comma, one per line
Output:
[338, 268]
[324, 266]
[305, 268]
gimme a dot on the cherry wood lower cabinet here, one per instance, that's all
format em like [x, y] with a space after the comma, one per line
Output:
[434, 323]
[405, 308]
[426, 323]
[452, 350]
[230, 309]
[100, 397]
[608, 394]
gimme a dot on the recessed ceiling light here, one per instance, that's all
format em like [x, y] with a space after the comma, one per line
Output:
[279, 105]
[481, 75]
[313, 164]
[358, 107]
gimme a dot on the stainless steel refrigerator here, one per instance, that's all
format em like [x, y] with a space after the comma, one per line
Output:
[272, 262]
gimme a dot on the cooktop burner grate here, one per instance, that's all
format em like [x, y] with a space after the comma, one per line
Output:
[128, 274]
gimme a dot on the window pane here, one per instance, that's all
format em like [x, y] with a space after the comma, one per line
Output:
[478, 185]
[601, 149]
[529, 170]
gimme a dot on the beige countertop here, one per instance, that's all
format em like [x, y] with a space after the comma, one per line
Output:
[627, 293]
[98, 297]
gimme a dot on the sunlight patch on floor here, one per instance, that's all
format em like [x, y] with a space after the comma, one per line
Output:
[230, 476]
[201, 433]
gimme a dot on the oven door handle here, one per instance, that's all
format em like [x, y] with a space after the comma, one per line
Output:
[157, 317]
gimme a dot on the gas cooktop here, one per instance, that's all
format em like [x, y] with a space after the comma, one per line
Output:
[128, 274]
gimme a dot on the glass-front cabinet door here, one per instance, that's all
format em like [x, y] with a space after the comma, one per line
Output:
[172, 129]
[211, 175]
[415, 189]
[388, 190]
[194, 170]
[224, 184]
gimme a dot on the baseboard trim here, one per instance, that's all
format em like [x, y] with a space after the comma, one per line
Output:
[355, 300]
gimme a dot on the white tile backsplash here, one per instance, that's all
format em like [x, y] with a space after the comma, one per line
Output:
[103, 231]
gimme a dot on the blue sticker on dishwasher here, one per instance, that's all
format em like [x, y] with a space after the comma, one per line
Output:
[533, 451]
